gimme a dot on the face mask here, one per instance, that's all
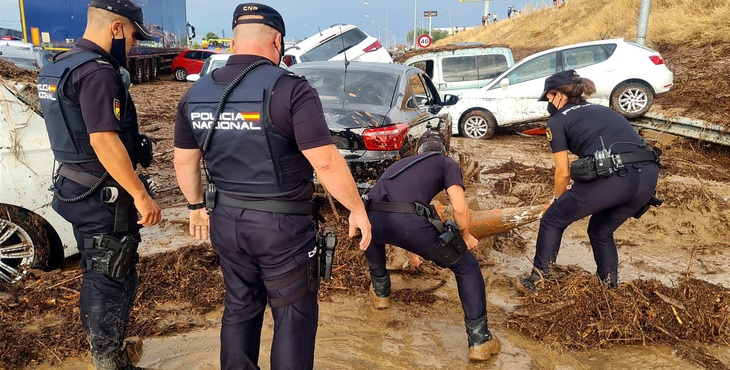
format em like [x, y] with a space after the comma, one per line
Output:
[281, 51]
[551, 108]
[119, 49]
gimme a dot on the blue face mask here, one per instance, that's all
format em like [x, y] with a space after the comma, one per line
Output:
[119, 49]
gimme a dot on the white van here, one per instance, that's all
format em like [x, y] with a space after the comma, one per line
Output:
[460, 67]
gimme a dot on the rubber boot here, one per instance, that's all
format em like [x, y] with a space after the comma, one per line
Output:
[531, 284]
[610, 280]
[482, 344]
[380, 291]
[117, 360]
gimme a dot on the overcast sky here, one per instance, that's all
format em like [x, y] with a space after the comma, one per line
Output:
[302, 17]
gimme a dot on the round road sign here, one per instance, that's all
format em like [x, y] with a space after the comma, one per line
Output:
[424, 41]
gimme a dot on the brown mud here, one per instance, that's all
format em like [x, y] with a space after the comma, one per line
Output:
[670, 311]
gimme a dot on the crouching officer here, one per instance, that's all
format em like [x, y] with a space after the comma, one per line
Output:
[92, 125]
[262, 134]
[398, 209]
[614, 178]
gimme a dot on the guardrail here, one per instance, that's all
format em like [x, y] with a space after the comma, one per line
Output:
[687, 127]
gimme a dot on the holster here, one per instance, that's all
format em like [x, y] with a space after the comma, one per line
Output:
[144, 151]
[326, 243]
[653, 201]
[119, 258]
[451, 245]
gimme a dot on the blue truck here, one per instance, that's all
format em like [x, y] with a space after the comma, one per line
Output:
[58, 24]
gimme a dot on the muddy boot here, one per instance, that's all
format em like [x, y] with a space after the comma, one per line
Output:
[482, 344]
[117, 360]
[380, 291]
[610, 280]
[133, 347]
[531, 284]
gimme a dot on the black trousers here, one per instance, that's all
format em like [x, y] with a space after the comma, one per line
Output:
[105, 302]
[610, 201]
[416, 234]
[255, 247]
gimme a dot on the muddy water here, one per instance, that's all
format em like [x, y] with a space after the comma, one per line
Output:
[664, 244]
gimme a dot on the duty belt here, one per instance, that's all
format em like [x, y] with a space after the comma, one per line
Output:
[397, 207]
[83, 178]
[301, 207]
[633, 157]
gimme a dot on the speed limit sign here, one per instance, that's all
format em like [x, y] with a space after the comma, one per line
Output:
[424, 41]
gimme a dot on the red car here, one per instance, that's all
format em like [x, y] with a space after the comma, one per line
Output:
[189, 62]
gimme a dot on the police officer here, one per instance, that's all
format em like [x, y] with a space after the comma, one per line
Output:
[260, 153]
[619, 180]
[92, 125]
[397, 207]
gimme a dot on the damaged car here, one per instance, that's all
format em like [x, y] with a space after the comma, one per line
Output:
[376, 112]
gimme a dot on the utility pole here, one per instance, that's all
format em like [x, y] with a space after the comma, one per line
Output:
[643, 22]
[415, 23]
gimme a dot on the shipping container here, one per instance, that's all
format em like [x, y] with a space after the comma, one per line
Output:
[58, 24]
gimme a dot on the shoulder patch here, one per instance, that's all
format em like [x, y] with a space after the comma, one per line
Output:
[549, 134]
[117, 109]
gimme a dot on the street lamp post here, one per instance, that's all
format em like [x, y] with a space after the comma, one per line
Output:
[377, 17]
[415, 22]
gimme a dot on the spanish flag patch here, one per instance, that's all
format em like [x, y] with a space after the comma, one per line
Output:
[549, 134]
[117, 109]
[251, 116]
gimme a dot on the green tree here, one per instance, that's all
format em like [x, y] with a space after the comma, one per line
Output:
[195, 45]
[439, 35]
[409, 36]
[211, 35]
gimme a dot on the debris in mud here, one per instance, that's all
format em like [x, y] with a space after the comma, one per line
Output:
[40, 316]
[529, 184]
[574, 310]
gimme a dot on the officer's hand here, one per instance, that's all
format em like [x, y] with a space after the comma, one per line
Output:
[150, 211]
[360, 221]
[470, 241]
[199, 224]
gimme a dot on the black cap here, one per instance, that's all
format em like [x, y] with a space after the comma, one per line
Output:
[126, 9]
[271, 17]
[431, 136]
[559, 79]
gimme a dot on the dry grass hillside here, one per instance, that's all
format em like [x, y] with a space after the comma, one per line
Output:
[693, 36]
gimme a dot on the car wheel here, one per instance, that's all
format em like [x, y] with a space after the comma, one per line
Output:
[632, 99]
[25, 240]
[138, 71]
[478, 124]
[180, 74]
[154, 69]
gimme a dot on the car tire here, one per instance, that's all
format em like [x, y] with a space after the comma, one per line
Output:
[25, 240]
[632, 99]
[147, 70]
[478, 124]
[137, 73]
[154, 70]
[180, 74]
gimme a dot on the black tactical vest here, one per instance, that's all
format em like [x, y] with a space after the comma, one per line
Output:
[65, 125]
[247, 154]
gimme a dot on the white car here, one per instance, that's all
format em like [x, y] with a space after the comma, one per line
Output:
[213, 62]
[335, 43]
[627, 76]
[32, 234]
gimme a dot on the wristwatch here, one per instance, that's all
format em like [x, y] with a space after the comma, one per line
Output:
[195, 206]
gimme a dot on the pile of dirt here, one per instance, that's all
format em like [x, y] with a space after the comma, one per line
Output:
[574, 310]
[10, 71]
[527, 183]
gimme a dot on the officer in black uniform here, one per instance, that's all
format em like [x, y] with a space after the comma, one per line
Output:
[398, 209]
[93, 129]
[260, 154]
[614, 179]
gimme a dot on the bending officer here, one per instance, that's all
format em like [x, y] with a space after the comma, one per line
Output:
[614, 179]
[398, 209]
